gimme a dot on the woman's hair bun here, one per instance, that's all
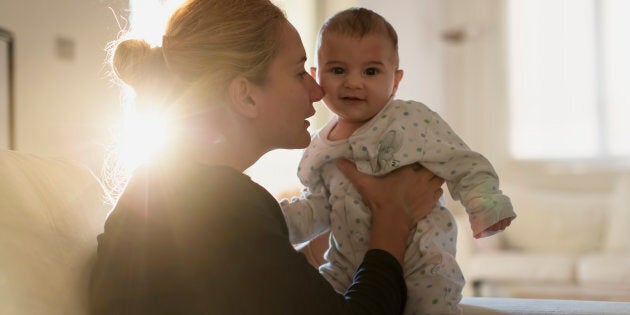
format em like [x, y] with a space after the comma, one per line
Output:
[134, 60]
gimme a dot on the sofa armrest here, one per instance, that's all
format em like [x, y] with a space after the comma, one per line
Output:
[51, 211]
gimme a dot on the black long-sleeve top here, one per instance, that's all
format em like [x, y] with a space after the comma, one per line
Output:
[201, 239]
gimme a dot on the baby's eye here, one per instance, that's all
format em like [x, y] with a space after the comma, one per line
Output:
[371, 71]
[337, 70]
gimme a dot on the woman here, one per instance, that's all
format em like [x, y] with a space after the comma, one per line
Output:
[191, 234]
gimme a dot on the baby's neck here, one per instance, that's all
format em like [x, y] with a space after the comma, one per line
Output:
[343, 130]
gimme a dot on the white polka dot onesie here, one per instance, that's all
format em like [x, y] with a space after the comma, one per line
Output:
[404, 132]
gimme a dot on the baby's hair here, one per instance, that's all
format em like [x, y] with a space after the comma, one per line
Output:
[359, 22]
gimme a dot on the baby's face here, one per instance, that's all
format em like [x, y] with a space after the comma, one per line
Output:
[358, 75]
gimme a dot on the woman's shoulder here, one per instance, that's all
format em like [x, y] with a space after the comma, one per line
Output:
[193, 189]
[195, 198]
[187, 176]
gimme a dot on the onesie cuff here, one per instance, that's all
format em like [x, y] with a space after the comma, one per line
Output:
[488, 210]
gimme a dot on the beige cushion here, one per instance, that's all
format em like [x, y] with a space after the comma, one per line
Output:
[512, 306]
[556, 222]
[50, 214]
[611, 270]
[511, 266]
[617, 239]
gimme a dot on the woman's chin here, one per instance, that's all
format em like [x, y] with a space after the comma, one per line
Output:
[302, 143]
[307, 139]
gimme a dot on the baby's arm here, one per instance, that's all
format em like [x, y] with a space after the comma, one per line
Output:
[470, 178]
[495, 228]
[308, 215]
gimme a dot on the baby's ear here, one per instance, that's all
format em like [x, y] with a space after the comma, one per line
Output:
[397, 77]
[314, 73]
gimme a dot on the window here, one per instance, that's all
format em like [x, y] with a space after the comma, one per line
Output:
[569, 79]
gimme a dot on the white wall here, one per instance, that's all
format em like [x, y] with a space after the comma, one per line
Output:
[63, 106]
[417, 23]
[458, 78]
[466, 81]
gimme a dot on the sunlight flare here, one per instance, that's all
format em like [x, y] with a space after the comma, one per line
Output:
[145, 135]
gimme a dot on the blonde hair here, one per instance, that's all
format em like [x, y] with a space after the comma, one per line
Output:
[207, 44]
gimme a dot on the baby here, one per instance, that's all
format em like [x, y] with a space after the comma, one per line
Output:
[357, 66]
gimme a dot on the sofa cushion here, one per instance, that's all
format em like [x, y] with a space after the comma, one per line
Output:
[556, 222]
[512, 306]
[610, 270]
[513, 266]
[617, 238]
[50, 214]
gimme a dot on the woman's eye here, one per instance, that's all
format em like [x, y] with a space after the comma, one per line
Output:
[371, 71]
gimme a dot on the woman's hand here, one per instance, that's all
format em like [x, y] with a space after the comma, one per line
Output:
[397, 201]
[424, 194]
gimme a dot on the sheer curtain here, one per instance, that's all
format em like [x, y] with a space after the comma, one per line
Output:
[569, 75]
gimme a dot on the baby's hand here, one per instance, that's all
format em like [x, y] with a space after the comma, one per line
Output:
[495, 228]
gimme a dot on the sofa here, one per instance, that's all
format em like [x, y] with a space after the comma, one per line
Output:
[51, 211]
[564, 244]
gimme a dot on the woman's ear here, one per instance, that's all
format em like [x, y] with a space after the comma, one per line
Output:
[241, 99]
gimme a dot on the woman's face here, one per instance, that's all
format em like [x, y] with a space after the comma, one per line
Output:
[286, 98]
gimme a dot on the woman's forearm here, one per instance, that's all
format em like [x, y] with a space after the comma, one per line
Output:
[389, 234]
